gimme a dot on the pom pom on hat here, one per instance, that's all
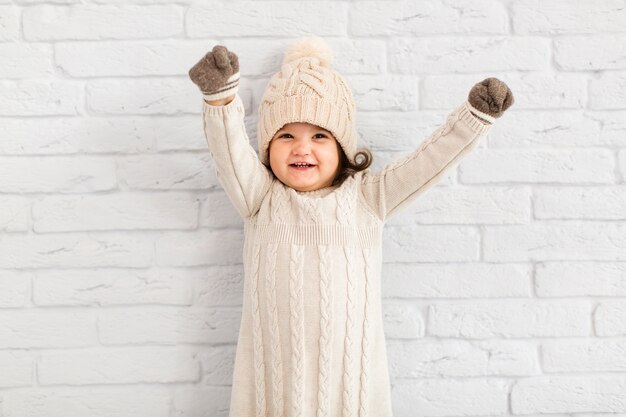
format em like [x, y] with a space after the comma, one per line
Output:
[313, 46]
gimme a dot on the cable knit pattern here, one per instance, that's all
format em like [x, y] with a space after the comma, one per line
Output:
[280, 200]
[272, 310]
[365, 348]
[309, 211]
[326, 332]
[297, 329]
[345, 205]
[259, 364]
[312, 266]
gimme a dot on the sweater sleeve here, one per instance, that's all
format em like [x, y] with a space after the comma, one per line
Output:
[402, 181]
[239, 170]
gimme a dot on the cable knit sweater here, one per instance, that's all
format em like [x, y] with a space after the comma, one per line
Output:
[311, 340]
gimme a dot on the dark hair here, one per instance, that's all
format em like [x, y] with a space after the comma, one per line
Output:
[347, 169]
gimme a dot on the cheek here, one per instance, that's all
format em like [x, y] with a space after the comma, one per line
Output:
[332, 156]
[274, 151]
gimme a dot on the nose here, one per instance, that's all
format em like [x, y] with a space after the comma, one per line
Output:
[301, 147]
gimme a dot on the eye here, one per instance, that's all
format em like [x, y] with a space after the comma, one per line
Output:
[321, 134]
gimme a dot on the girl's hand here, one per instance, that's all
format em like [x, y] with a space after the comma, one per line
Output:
[491, 97]
[217, 74]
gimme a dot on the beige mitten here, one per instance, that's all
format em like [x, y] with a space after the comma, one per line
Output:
[216, 74]
[489, 98]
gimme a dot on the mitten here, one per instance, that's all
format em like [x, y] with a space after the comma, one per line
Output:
[489, 98]
[216, 74]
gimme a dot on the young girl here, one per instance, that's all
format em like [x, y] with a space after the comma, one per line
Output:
[311, 341]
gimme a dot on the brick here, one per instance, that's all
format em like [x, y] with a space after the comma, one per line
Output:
[372, 18]
[103, 287]
[459, 358]
[151, 401]
[217, 211]
[75, 250]
[596, 52]
[580, 279]
[118, 366]
[220, 285]
[536, 166]
[610, 318]
[607, 92]
[18, 368]
[557, 129]
[14, 213]
[583, 356]
[266, 18]
[217, 364]
[168, 172]
[101, 22]
[402, 320]
[142, 96]
[613, 127]
[384, 92]
[440, 398]
[533, 90]
[120, 211]
[554, 241]
[402, 132]
[31, 2]
[121, 58]
[9, 22]
[468, 54]
[24, 60]
[41, 97]
[110, 134]
[469, 205]
[547, 90]
[581, 203]
[430, 244]
[170, 325]
[44, 328]
[15, 289]
[218, 247]
[457, 280]
[446, 92]
[201, 401]
[563, 17]
[166, 57]
[510, 319]
[23, 174]
[569, 394]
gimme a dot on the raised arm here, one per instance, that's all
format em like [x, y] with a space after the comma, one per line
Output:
[240, 172]
[402, 181]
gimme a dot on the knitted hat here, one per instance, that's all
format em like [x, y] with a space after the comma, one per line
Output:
[307, 89]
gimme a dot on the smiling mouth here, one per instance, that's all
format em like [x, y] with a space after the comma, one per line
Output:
[302, 167]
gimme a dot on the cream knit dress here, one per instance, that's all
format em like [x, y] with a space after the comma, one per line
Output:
[311, 340]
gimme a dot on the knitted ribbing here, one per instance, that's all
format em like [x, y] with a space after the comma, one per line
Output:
[297, 329]
[365, 341]
[277, 364]
[325, 331]
[259, 362]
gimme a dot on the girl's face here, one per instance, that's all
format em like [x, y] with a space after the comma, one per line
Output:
[304, 143]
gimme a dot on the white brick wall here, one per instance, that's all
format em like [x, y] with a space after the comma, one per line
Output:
[120, 255]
